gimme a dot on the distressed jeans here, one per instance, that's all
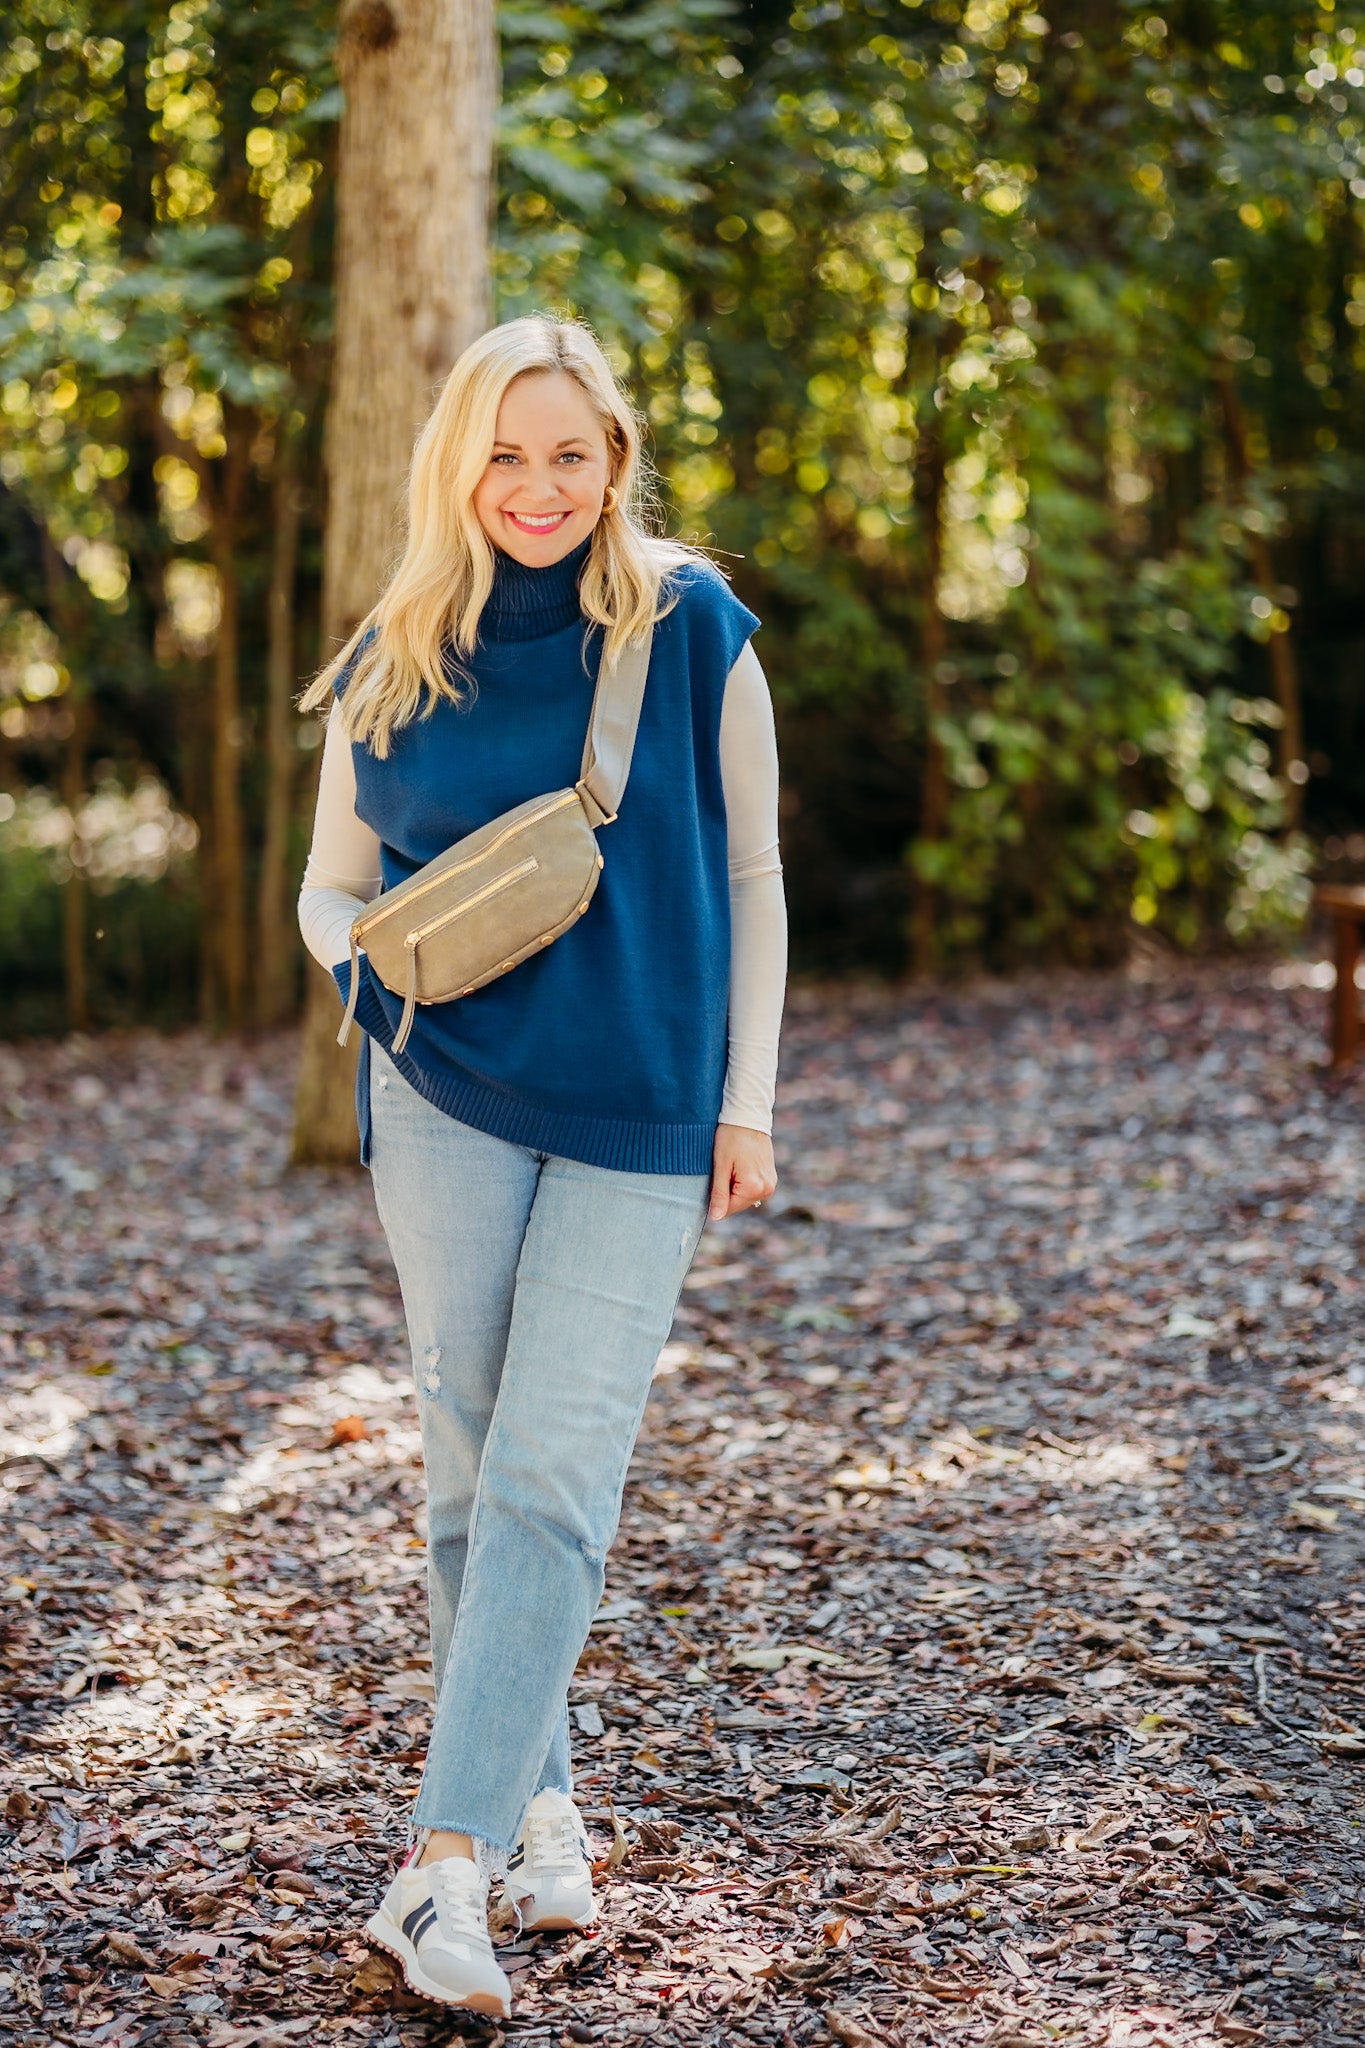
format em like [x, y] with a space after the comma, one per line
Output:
[538, 1292]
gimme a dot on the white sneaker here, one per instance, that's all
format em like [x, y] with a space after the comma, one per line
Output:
[548, 1875]
[434, 1919]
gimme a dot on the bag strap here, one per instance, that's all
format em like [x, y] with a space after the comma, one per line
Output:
[607, 752]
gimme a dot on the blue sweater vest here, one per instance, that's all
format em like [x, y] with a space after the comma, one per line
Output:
[610, 1046]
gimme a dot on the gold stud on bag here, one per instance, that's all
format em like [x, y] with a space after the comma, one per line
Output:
[514, 886]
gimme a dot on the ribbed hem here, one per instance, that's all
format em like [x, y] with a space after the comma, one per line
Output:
[627, 1147]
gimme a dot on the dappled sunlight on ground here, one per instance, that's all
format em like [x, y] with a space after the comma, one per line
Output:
[981, 1657]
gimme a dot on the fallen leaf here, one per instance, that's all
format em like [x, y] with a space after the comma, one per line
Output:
[1259, 1788]
[1101, 1829]
[1181, 1323]
[1311, 1514]
[773, 1657]
[410, 1685]
[377, 1973]
[1285, 1456]
[826, 1775]
[620, 1847]
[848, 2028]
[164, 1986]
[127, 1950]
[1106, 1678]
[1032, 1838]
[1174, 1674]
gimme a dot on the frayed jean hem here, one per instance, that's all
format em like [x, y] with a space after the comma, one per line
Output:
[490, 1857]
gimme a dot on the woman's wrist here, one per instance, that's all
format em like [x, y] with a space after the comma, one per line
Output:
[743, 1174]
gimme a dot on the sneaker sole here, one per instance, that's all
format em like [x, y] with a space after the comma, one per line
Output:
[549, 1923]
[557, 1923]
[384, 1935]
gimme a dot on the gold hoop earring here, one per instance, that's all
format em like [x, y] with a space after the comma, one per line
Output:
[609, 499]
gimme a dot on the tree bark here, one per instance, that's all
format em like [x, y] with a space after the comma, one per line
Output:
[1284, 666]
[414, 187]
[71, 629]
[229, 838]
[930, 472]
[277, 933]
[74, 973]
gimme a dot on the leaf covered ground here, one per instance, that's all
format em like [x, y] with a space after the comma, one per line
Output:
[981, 1660]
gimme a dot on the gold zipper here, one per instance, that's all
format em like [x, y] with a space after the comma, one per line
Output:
[424, 931]
[546, 810]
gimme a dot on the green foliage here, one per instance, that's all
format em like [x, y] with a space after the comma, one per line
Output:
[999, 348]
[969, 279]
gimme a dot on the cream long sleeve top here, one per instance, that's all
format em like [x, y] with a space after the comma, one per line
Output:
[343, 874]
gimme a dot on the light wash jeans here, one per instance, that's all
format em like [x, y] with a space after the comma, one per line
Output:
[538, 1292]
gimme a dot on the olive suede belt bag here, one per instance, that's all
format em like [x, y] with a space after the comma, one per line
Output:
[506, 891]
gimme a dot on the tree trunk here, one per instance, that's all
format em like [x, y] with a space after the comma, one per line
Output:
[193, 701]
[931, 462]
[1284, 666]
[277, 932]
[74, 973]
[73, 639]
[228, 909]
[414, 185]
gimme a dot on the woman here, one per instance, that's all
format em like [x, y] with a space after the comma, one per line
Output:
[545, 1151]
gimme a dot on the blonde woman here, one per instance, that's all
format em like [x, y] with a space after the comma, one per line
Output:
[544, 1152]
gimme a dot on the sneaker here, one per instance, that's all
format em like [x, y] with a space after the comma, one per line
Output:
[548, 1875]
[434, 1919]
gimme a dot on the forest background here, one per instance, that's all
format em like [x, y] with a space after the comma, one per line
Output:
[1011, 360]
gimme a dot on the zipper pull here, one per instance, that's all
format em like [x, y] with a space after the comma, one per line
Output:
[410, 1004]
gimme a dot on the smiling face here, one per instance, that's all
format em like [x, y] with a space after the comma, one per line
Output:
[542, 491]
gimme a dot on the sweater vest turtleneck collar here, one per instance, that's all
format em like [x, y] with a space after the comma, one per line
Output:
[525, 603]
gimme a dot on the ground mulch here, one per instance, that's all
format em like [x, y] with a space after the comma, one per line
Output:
[981, 1659]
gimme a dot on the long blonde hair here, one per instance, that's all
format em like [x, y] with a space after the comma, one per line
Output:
[435, 596]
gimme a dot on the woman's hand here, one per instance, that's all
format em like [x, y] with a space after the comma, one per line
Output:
[743, 1172]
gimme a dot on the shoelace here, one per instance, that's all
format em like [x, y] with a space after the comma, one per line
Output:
[464, 1905]
[554, 1840]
